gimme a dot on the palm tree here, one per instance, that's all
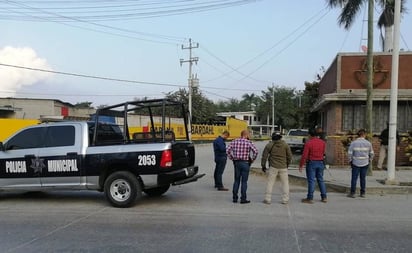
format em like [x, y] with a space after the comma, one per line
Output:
[350, 9]
[386, 20]
[249, 98]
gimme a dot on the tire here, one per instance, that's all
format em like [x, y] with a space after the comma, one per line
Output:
[154, 192]
[122, 189]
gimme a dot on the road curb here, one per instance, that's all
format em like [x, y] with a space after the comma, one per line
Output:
[333, 186]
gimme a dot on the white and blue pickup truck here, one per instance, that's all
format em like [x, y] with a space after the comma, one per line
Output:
[100, 156]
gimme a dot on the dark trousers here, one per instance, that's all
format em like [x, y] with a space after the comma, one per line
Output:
[219, 169]
[356, 171]
[314, 170]
[241, 177]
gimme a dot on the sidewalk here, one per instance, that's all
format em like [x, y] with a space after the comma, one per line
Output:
[338, 180]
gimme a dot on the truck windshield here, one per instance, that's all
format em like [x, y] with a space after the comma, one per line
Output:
[298, 133]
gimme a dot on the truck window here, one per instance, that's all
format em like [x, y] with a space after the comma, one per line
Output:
[59, 136]
[298, 133]
[106, 134]
[29, 138]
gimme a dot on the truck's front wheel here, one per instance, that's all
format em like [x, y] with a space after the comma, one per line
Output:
[122, 189]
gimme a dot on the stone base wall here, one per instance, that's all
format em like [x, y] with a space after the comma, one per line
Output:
[336, 153]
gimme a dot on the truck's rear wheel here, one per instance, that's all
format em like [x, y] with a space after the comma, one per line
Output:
[122, 189]
[154, 192]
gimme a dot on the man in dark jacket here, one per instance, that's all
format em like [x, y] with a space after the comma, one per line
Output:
[279, 155]
[219, 148]
[384, 139]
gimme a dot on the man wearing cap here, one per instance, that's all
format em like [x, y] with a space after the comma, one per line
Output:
[313, 156]
[279, 155]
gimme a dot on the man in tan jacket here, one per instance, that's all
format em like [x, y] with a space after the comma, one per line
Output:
[279, 155]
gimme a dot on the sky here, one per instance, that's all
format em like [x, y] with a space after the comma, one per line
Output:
[108, 52]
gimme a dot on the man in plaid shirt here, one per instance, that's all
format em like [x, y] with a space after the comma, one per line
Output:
[242, 152]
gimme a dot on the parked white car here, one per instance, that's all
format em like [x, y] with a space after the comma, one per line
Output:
[295, 138]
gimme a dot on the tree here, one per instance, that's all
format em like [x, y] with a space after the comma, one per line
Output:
[84, 105]
[346, 18]
[309, 97]
[250, 100]
[203, 109]
[386, 20]
[285, 106]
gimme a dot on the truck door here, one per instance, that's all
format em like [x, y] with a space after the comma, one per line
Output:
[19, 164]
[61, 157]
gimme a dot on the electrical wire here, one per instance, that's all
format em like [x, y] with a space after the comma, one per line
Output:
[168, 38]
[91, 76]
[115, 79]
[286, 47]
[266, 51]
[127, 14]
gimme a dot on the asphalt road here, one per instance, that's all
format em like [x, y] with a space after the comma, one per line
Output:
[197, 218]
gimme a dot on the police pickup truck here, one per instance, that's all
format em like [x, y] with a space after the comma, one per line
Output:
[102, 156]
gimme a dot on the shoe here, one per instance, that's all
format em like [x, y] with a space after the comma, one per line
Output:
[351, 195]
[324, 200]
[266, 202]
[222, 189]
[307, 201]
[244, 201]
[362, 195]
[284, 202]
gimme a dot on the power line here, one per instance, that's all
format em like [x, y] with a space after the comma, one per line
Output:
[163, 9]
[152, 35]
[114, 79]
[264, 52]
[90, 76]
[287, 46]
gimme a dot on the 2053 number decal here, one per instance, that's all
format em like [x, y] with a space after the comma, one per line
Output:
[146, 160]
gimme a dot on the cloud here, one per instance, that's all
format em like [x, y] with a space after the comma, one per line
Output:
[12, 79]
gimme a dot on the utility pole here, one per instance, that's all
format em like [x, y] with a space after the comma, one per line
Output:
[273, 108]
[191, 60]
[393, 110]
[369, 89]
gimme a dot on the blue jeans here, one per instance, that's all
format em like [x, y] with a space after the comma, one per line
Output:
[241, 177]
[355, 173]
[219, 168]
[314, 169]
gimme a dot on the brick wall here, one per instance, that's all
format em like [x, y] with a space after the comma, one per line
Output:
[336, 154]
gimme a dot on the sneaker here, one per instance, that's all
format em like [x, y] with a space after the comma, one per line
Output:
[244, 201]
[223, 189]
[362, 195]
[324, 200]
[284, 202]
[351, 195]
[266, 202]
[307, 201]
